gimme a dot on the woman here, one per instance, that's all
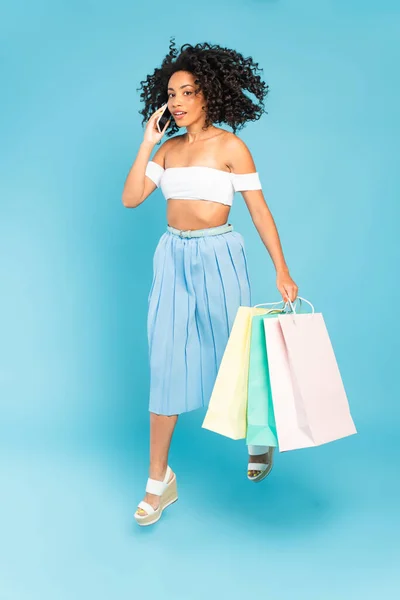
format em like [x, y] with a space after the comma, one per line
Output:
[200, 275]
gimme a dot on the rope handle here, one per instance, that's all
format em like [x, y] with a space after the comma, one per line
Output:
[292, 306]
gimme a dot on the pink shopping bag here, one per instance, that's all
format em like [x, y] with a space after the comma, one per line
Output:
[310, 402]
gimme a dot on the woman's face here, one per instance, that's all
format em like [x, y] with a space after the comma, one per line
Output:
[182, 98]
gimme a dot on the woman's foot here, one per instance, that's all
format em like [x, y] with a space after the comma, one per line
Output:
[260, 465]
[152, 499]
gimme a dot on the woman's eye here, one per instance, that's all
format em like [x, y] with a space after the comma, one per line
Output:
[187, 92]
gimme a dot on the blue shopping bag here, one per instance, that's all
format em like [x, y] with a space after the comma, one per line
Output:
[261, 426]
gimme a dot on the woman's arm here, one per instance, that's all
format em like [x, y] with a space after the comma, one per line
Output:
[241, 161]
[137, 186]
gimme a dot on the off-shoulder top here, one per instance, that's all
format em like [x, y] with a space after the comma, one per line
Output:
[201, 183]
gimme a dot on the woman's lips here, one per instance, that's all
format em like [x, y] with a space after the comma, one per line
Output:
[180, 116]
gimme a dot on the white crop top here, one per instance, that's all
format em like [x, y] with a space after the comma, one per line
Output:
[201, 183]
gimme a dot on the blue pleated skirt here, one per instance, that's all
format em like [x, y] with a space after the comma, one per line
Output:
[198, 285]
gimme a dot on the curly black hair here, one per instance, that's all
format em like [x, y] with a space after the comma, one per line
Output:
[222, 75]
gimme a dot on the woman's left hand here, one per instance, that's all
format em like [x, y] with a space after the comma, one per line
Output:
[286, 286]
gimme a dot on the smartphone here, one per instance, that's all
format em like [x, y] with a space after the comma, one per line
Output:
[163, 118]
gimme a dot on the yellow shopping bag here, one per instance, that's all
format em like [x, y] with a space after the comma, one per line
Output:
[226, 412]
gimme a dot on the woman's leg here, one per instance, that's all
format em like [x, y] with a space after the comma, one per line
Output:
[161, 431]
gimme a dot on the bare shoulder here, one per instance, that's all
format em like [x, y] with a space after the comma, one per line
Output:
[166, 146]
[240, 159]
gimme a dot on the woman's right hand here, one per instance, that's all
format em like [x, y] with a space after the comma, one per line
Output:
[151, 133]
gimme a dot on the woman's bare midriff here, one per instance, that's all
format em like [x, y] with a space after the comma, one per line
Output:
[196, 214]
[184, 214]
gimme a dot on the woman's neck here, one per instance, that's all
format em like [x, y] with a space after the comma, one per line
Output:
[197, 135]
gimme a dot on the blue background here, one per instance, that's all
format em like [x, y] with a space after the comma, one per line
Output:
[75, 271]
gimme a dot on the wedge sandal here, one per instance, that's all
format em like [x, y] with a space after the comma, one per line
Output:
[264, 469]
[168, 492]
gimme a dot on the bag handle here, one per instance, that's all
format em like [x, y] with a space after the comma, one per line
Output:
[301, 299]
[269, 304]
[286, 303]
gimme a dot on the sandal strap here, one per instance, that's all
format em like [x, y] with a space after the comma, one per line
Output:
[157, 487]
[257, 466]
[257, 450]
[167, 475]
[147, 507]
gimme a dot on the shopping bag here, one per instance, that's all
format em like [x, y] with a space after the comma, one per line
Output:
[261, 427]
[310, 403]
[226, 413]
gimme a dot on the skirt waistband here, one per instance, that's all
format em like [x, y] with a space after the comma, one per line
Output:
[190, 233]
